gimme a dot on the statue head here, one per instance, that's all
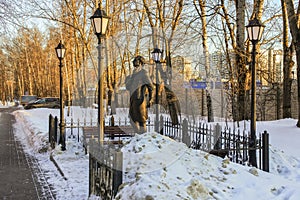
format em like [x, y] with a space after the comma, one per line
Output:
[139, 60]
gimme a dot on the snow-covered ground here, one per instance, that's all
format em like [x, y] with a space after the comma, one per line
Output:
[159, 168]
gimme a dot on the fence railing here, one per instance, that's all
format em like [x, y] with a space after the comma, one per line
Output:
[105, 170]
[73, 128]
[212, 139]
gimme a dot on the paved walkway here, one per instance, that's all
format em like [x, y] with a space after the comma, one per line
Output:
[18, 177]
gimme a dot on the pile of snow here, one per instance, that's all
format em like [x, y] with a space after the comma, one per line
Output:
[157, 167]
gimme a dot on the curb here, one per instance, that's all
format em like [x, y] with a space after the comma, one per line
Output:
[56, 165]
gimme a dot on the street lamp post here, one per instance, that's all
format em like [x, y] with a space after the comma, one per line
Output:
[60, 53]
[99, 22]
[156, 54]
[255, 29]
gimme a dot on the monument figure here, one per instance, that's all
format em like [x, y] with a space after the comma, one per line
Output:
[140, 87]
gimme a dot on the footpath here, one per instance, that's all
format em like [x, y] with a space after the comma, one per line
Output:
[19, 178]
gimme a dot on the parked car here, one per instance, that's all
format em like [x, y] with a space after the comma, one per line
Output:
[25, 99]
[47, 102]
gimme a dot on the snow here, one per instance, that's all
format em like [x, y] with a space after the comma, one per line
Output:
[157, 167]
[160, 168]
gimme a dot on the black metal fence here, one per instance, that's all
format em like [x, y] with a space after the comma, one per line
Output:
[105, 170]
[73, 128]
[212, 139]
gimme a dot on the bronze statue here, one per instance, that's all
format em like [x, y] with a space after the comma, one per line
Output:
[140, 87]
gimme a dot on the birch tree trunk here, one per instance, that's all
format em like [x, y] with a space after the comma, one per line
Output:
[287, 65]
[295, 32]
[202, 14]
[226, 23]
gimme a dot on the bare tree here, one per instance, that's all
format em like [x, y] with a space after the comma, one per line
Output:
[165, 17]
[202, 15]
[29, 62]
[287, 65]
[295, 32]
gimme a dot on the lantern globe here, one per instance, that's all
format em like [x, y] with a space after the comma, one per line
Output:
[60, 51]
[255, 29]
[100, 22]
[156, 54]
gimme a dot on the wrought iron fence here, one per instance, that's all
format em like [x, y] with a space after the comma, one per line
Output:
[209, 138]
[105, 170]
[73, 128]
[212, 139]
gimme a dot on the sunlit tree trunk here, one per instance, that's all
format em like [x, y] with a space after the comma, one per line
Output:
[202, 14]
[295, 32]
[240, 58]
[287, 66]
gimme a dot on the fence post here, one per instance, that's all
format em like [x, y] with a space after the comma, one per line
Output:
[91, 175]
[55, 128]
[50, 128]
[186, 138]
[112, 121]
[51, 132]
[72, 126]
[148, 124]
[78, 128]
[265, 147]
[118, 166]
[161, 126]
[217, 137]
